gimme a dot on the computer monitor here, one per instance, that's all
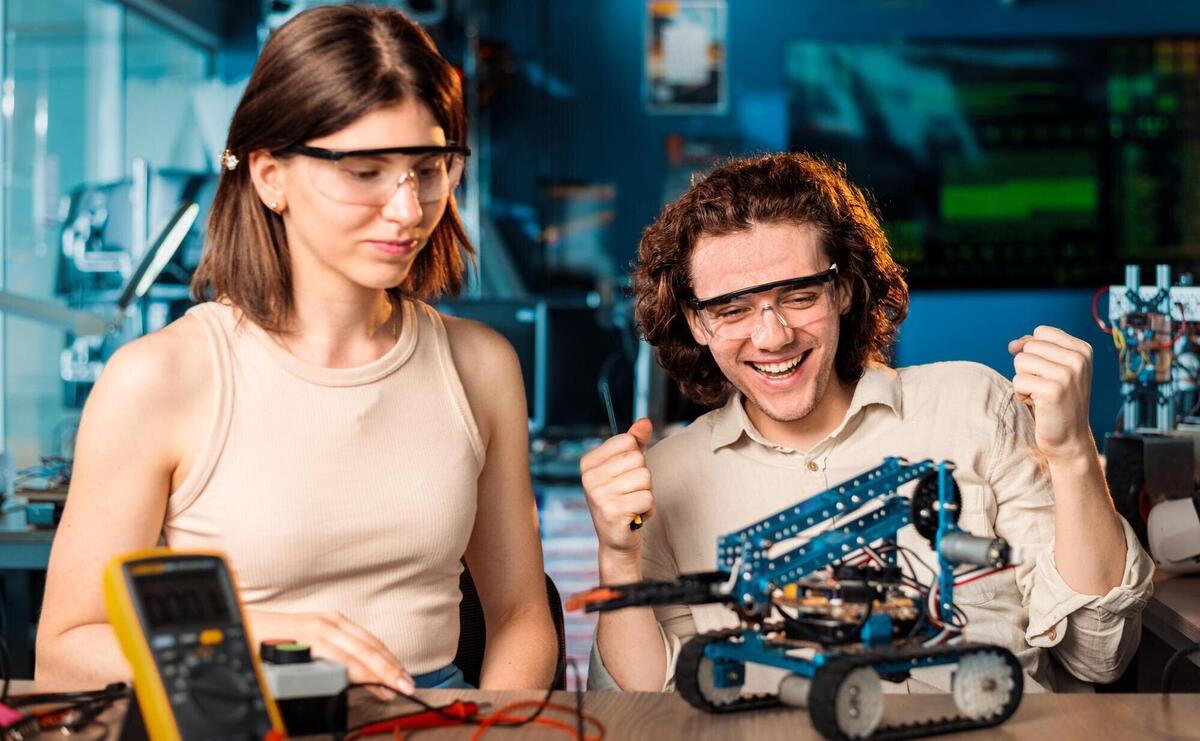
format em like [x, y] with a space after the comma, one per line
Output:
[516, 319]
[1012, 162]
[565, 348]
[579, 352]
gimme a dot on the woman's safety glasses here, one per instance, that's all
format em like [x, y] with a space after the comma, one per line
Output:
[371, 177]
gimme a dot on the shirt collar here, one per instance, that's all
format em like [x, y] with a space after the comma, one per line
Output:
[879, 384]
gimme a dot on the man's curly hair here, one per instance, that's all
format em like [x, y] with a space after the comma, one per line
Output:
[778, 188]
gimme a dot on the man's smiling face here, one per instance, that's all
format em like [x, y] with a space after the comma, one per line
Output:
[783, 371]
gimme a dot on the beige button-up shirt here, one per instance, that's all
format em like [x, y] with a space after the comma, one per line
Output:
[720, 474]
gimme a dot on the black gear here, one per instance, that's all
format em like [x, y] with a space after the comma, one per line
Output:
[924, 505]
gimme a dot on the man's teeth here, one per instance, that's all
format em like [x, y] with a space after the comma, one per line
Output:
[783, 367]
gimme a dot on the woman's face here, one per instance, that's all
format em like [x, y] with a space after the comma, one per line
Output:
[339, 239]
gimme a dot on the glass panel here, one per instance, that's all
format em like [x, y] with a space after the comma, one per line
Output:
[87, 87]
[161, 75]
[54, 85]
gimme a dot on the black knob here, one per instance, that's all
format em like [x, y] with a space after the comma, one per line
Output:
[266, 649]
[292, 653]
[221, 693]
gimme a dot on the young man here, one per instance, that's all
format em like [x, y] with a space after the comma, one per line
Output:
[768, 288]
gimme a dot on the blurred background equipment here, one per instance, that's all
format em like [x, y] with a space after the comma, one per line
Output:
[576, 360]
[128, 250]
[1153, 454]
[1146, 469]
[1158, 355]
[1174, 531]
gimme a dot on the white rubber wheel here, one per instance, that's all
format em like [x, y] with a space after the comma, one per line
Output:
[712, 693]
[983, 685]
[859, 703]
[794, 690]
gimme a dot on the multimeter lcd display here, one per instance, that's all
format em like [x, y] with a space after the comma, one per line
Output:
[183, 599]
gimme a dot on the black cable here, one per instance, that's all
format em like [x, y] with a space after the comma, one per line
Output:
[1194, 373]
[5, 656]
[114, 691]
[604, 388]
[958, 612]
[6, 667]
[1169, 668]
[88, 706]
[574, 670]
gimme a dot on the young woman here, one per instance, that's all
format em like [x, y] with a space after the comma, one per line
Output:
[343, 443]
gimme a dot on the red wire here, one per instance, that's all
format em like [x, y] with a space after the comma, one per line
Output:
[1170, 344]
[974, 577]
[977, 577]
[1096, 310]
[419, 720]
[499, 716]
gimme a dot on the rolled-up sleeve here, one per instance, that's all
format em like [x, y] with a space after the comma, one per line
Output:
[1094, 637]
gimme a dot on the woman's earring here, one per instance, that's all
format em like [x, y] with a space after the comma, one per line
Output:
[274, 206]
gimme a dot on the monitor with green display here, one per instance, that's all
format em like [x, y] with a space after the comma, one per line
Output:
[1005, 163]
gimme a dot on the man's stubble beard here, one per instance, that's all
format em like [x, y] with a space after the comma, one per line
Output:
[819, 388]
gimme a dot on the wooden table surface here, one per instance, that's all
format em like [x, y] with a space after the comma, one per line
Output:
[658, 717]
[661, 717]
[1176, 605]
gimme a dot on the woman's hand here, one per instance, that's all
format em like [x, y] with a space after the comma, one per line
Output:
[332, 636]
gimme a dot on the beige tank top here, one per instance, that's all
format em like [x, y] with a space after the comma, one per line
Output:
[347, 489]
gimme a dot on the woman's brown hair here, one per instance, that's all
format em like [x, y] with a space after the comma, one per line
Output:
[317, 74]
[778, 188]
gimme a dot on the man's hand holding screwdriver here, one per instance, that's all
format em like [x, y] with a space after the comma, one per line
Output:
[619, 495]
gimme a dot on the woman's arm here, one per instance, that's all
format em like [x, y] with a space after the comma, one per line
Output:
[141, 426]
[504, 553]
[126, 454]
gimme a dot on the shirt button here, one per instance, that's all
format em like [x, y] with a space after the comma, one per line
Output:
[1052, 634]
[812, 466]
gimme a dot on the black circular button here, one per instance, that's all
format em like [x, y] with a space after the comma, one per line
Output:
[293, 653]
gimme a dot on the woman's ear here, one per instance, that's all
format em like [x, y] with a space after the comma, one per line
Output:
[269, 182]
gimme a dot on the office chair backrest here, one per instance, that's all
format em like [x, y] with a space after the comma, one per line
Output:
[472, 633]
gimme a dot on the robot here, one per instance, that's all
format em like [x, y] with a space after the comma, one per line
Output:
[837, 611]
[1157, 352]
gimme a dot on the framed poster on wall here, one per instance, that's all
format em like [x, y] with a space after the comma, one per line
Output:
[685, 62]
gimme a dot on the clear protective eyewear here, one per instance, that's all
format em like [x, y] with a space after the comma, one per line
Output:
[371, 177]
[794, 302]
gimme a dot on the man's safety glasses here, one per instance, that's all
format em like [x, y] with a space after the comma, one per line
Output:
[794, 302]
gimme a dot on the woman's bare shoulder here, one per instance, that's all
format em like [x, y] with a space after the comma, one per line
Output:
[489, 369]
[475, 341]
[171, 363]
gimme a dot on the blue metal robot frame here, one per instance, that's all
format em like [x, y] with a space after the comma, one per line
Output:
[759, 576]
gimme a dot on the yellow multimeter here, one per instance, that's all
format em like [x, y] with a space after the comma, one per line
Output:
[179, 621]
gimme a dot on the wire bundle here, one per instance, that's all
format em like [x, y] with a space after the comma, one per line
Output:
[950, 632]
[69, 713]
